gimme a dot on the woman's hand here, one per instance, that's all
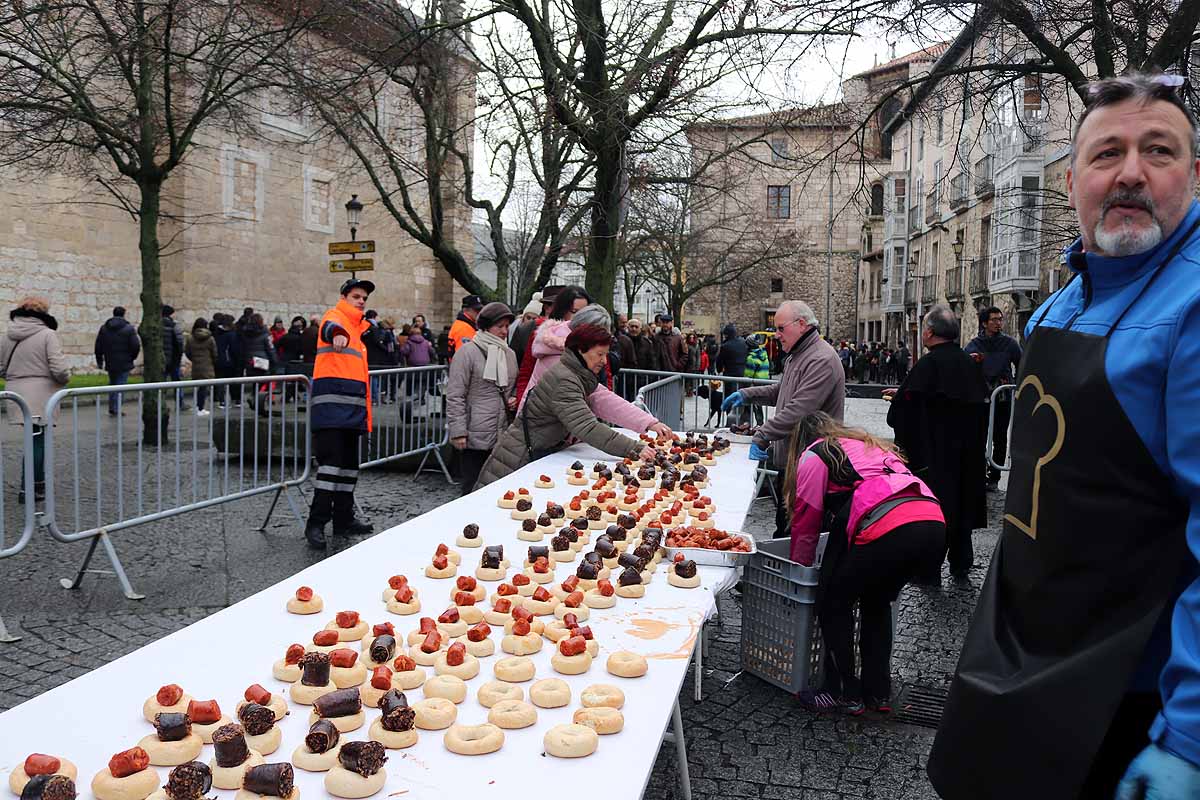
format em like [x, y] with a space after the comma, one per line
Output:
[511, 403]
[459, 442]
[661, 430]
[648, 454]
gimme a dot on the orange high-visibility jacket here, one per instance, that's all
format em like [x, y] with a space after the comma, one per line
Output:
[341, 389]
[461, 331]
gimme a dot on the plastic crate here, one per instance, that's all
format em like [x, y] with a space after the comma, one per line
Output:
[780, 639]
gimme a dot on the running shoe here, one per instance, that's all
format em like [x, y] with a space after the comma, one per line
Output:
[817, 702]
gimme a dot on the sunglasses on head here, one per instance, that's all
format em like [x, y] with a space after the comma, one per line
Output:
[1166, 79]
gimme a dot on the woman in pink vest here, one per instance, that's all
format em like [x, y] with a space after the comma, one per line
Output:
[885, 526]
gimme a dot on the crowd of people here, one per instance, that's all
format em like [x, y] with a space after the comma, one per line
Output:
[874, 362]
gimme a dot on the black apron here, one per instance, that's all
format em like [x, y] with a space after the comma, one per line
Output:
[1093, 539]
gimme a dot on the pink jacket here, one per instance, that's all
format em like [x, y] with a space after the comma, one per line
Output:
[884, 476]
[548, 345]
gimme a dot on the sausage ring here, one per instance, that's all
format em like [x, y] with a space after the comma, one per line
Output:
[435, 713]
[625, 664]
[512, 714]
[570, 741]
[493, 692]
[515, 669]
[602, 694]
[550, 693]
[602, 719]
[447, 687]
[473, 740]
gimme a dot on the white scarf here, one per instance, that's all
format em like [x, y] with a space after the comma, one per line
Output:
[495, 369]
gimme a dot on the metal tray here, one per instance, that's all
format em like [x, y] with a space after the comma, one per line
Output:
[715, 558]
[736, 438]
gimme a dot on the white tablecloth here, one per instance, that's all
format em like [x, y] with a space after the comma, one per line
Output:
[99, 714]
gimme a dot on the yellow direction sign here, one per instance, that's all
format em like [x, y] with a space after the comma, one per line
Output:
[350, 248]
[352, 265]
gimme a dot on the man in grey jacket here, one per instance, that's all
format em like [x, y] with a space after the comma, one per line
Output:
[812, 380]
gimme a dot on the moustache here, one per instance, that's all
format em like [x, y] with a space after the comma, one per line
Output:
[1128, 197]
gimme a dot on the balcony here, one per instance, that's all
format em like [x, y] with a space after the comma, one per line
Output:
[984, 176]
[954, 283]
[914, 219]
[894, 221]
[910, 292]
[928, 286]
[932, 201]
[1014, 271]
[958, 191]
[979, 277]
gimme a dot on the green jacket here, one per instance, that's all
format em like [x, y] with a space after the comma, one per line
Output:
[758, 365]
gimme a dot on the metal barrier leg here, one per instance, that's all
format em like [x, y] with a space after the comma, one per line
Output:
[698, 660]
[436, 452]
[5, 636]
[287, 492]
[676, 735]
[274, 500]
[117, 568]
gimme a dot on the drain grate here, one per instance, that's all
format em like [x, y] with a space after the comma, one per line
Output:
[921, 705]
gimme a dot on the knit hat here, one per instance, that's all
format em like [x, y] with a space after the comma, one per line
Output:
[534, 306]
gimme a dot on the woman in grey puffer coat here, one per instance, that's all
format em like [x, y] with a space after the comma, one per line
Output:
[479, 392]
[33, 364]
[556, 411]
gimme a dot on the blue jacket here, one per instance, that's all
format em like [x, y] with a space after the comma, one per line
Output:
[1153, 365]
[1001, 357]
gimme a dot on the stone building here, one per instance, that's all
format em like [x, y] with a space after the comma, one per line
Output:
[975, 197]
[818, 172]
[246, 222]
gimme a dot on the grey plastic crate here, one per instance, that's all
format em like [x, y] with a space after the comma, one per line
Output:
[780, 640]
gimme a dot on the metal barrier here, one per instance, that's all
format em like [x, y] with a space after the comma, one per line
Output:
[683, 399]
[408, 417]
[26, 483]
[254, 440]
[1012, 407]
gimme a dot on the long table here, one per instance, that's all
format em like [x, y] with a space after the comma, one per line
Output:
[98, 714]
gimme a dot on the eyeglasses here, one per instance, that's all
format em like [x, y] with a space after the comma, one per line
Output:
[781, 325]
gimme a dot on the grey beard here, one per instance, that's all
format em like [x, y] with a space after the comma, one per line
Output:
[1127, 240]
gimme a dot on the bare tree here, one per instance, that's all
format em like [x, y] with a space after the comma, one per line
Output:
[404, 106]
[663, 247]
[120, 91]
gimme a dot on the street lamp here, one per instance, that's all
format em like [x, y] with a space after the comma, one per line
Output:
[957, 246]
[354, 214]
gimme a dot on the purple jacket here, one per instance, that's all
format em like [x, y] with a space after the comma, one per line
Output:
[417, 352]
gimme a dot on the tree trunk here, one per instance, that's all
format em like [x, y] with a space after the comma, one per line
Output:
[603, 252]
[154, 421]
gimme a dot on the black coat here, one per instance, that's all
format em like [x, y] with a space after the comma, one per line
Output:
[375, 339]
[289, 346]
[229, 354]
[520, 339]
[939, 415]
[172, 343]
[117, 345]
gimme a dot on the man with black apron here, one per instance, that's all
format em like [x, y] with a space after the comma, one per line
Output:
[1081, 668]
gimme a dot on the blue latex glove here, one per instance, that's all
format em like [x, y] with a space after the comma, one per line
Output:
[1157, 774]
[733, 401]
[757, 453]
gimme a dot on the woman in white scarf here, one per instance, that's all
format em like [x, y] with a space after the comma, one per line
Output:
[480, 392]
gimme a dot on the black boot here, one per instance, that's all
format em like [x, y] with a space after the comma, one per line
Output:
[314, 532]
[356, 527]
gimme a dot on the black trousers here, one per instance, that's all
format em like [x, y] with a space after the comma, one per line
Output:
[1127, 736]
[872, 576]
[999, 437]
[337, 475]
[470, 465]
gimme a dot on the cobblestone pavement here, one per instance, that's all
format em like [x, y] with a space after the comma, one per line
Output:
[745, 739]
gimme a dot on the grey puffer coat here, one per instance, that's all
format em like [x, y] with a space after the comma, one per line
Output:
[554, 409]
[475, 408]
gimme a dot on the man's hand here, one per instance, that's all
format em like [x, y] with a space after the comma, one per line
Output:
[733, 401]
[977, 357]
[757, 453]
[459, 442]
[888, 393]
[661, 430]
[340, 343]
[1157, 774]
[648, 454]
[511, 403]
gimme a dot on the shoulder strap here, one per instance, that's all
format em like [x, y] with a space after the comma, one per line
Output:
[11, 353]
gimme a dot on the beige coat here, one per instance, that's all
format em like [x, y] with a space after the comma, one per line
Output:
[475, 408]
[555, 409]
[32, 361]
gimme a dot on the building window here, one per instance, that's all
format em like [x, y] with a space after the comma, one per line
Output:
[318, 200]
[243, 173]
[779, 202]
[877, 200]
[1032, 95]
[779, 149]
[776, 285]
[283, 113]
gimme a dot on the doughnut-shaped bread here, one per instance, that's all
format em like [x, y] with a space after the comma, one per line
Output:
[493, 692]
[683, 583]
[449, 687]
[473, 740]
[571, 665]
[435, 713]
[392, 740]
[18, 777]
[341, 782]
[550, 693]
[138, 786]
[515, 669]
[601, 719]
[602, 694]
[625, 664]
[570, 741]
[512, 714]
